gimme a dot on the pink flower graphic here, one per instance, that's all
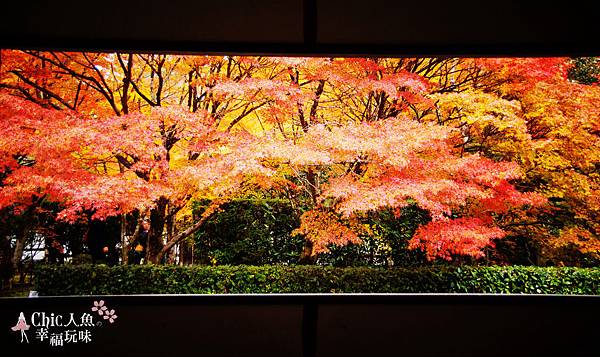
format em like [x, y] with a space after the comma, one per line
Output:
[103, 311]
[110, 316]
[99, 306]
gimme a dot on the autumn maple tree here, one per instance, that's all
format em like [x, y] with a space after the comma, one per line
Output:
[152, 163]
[560, 152]
[386, 157]
[488, 147]
[394, 163]
[122, 160]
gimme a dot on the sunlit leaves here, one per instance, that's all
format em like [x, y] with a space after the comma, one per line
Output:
[449, 238]
[397, 162]
[479, 144]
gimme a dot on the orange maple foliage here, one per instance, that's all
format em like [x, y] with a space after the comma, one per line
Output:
[107, 166]
[403, 162]
[559, 151]
[481, 144]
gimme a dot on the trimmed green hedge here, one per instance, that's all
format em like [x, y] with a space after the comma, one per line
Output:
[156, 279]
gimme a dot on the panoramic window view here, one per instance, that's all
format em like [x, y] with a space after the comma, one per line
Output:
[127, 173]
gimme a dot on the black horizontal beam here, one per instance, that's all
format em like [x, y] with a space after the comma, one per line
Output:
[305, 27]
[316, 325]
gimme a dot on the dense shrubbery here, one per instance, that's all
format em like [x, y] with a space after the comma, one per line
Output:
[153, 279]
[585, 70]
[387, 245]
[259, 231]
[249, 231]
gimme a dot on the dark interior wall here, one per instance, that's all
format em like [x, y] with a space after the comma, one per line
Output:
[316, 325]
[435, 27]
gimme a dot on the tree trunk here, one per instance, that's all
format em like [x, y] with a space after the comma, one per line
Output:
[155, 243]
[18, 252]
[6, 267]
[186, 253]
[307, 257]
[171, 255]
[124, 243]
[181, 236]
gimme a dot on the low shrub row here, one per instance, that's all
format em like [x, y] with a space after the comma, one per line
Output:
[155, 279]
